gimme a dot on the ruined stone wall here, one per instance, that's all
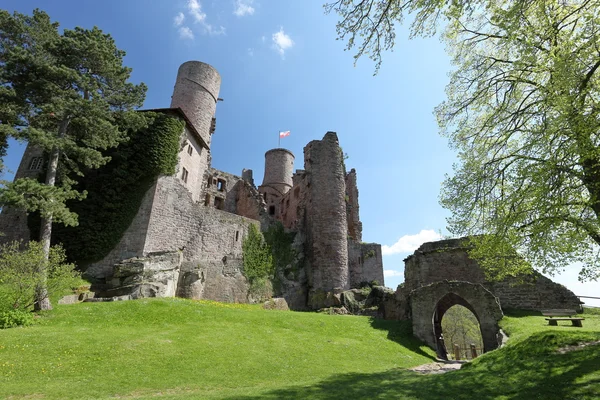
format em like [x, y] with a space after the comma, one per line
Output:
[13, 222]
[210, 239]
[220, 190]
[448, 260]
[326, 225]
[365, 263]
[354, 224]
[438, 261]
[537, 293]
[196, 92]
[249, 203]
[430, 302]
[293, 204]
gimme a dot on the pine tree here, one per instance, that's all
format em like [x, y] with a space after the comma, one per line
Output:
[68, 94]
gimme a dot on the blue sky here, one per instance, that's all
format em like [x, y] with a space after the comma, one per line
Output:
[283, 69]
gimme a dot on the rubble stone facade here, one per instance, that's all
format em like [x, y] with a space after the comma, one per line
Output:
[186, 238]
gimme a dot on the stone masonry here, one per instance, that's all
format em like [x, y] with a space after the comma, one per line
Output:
[186, 238]
[449, 260]
[439, 275]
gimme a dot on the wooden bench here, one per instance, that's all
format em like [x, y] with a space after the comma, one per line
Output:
[562, 315]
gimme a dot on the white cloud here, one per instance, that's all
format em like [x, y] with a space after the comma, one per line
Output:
[195, 10]
[186, 33]
[390, 272]
[282, 42]
[243, 7]
[179, 18]
[409, 243]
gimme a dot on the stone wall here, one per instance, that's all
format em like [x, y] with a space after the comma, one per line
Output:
[429, 304]
[365, 263]
[354, 224]
[13, 222]
[326, 225]
[537, 293]
[449, 260]
[196, 164]
[210, 239]
[130, 245]
[293, 204]
[219, 191]
[249, 203]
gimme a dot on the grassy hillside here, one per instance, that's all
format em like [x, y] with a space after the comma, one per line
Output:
[205, 349]
[181, 349]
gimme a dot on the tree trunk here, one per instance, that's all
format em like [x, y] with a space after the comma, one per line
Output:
[42, 301]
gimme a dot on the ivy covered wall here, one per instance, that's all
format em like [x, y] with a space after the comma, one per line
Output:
[116, 190]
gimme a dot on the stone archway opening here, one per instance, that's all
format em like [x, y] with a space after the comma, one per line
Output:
[461, 333]
[430, 303]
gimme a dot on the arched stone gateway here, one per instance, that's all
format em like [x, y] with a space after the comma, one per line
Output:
[429, 303]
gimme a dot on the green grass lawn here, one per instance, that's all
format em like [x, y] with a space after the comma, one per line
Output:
[182, 349]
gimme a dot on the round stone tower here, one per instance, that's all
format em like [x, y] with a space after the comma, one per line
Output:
[279, 168]
[196, 93]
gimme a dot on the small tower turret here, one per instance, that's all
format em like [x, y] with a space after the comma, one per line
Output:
[196, 93]
[279, 168]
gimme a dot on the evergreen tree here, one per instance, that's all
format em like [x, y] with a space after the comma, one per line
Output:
[68, 94]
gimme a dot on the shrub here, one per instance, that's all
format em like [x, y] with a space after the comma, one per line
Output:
[258, 261]
[12, 318]
[20, 274]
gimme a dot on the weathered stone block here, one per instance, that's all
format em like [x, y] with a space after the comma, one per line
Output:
[276, 303]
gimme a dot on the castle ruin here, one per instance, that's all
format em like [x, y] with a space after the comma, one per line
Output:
[186, 238]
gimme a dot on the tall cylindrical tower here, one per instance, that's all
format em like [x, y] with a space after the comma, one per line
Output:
[196, 93]
[326, 221]
[279, 168]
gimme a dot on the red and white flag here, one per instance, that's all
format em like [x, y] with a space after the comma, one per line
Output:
[284, 134]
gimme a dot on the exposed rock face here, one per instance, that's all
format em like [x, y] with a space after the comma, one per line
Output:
[155, 275]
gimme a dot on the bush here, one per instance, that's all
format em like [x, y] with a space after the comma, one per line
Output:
[20, 268]
[10, 319]
[258, 261]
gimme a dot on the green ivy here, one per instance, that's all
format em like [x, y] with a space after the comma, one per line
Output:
[115, 191]
[257, 257]
[281, 245]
